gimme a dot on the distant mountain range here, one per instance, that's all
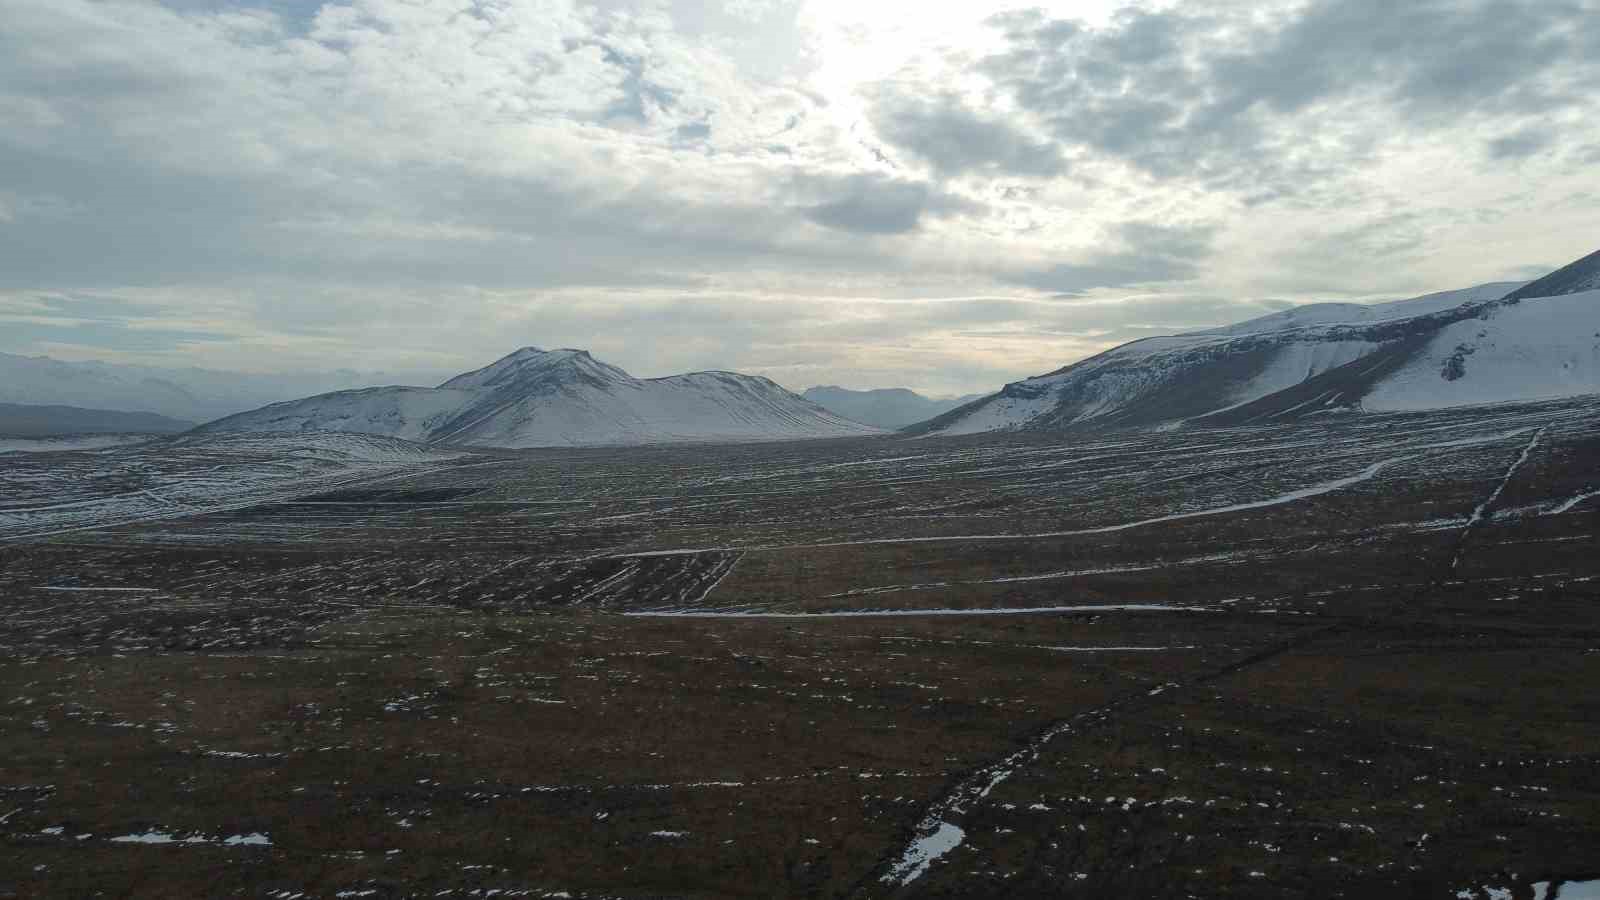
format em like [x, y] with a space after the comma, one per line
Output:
[190, 394]
[18, 420]
[884, 407]
[1493, 343]
[1501, 342]
[543, 398]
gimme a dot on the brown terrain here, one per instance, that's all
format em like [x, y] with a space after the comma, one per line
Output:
[1349, 658]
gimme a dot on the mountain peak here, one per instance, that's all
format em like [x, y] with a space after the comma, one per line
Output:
[540, 398]
[1573, 278]
[527, 362]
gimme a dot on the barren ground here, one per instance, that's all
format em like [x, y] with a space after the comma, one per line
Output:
[1353, 659]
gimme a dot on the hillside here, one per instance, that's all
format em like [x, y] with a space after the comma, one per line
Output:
[1492, 343]
[539, 398]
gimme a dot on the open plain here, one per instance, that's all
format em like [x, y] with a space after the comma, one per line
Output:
[1348, 658]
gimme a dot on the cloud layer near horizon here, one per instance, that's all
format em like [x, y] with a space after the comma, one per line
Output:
[814, 191]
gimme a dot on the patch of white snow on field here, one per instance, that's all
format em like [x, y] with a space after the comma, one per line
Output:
[860, 613]
[1567, 506]
[923, 851]
[1477, 514]
[1109, 649]
[67, 444]
[149, 837]
[1566, 890]
[1305, 493]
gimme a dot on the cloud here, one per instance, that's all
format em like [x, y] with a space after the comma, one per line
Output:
[793, 188]
[1519, 144]
[952, 139]
[869, 203]
[1243, 99]
[1155, 253]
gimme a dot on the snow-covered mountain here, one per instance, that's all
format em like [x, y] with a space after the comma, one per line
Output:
[884, 407]
[1492, 343]
[544, 398]
[193, 394]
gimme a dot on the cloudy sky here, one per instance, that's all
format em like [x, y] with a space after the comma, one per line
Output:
[942, 196]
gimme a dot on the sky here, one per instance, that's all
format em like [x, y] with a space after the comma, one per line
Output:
[946, 197]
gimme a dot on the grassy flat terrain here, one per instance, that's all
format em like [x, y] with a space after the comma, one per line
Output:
[1353, 658]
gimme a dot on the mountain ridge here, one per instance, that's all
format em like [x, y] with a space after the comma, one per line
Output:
[882, 407]
[536, 398]
[1320, 359]
[46, 420]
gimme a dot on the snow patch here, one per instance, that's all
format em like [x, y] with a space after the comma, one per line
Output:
[923, 852]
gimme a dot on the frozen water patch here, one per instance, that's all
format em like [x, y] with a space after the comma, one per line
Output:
[923, 851]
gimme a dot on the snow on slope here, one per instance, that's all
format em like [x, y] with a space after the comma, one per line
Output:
[407, 413]
[55, 493]
[1313, 314]
[1573, 278]
[1295, 363]
[538, 398]
[1002, 412]
[1542, 348]
[1163, 379]
[1336, 354]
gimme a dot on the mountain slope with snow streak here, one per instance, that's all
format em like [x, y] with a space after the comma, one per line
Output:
[1493, 343]
[1542, 349]
[546, 398]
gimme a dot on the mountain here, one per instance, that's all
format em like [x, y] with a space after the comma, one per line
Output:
[543, 398]
[184, 393]
[1492, 343]
[884, 407]
[18, 420]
